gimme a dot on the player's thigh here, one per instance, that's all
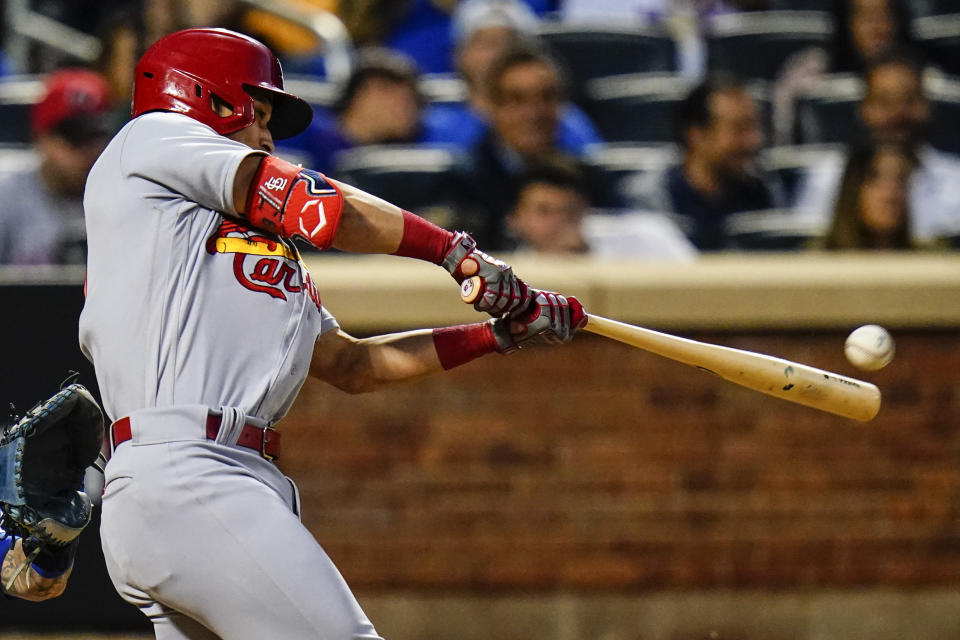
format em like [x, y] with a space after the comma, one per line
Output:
[272, 578]
[204, 536]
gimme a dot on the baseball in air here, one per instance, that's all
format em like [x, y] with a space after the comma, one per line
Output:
[869, 347]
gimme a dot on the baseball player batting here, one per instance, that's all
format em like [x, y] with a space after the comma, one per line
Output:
[202, 324]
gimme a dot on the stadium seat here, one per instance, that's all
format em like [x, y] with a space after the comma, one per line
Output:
[14, 157]
[944, 95]
[792, 163]
[925, 8]
[939, 36]
[319, 93]
[418, 178]
[802, 5]
[440, 88]
[756, 44]
[614, 167]
[639, 107]
[17, 96]
[827, 113]
[589, 51]
[635, 107]
[638, 235]
[770, 230]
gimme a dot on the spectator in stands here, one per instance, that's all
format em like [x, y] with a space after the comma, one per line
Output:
[872, 211]
[41, 215]
[866, 31]
[896, 109]
[551, 215]
[380, 104]
[552, 199]
[526, 93]
[483, 30]
[718, 128]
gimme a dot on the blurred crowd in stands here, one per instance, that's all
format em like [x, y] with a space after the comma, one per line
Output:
[655, 129]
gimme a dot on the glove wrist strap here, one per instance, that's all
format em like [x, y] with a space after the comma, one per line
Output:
[462, 343]
[461, 245]
[423, 240]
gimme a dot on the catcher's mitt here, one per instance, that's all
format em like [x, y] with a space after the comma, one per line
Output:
[42, 462]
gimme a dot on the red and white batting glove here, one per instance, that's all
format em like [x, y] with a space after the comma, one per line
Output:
[502, 290]
[550, 319]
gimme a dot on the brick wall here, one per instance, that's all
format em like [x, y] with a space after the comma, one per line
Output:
[600, 466]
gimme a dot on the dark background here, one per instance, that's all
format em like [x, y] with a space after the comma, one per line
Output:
[39, 329]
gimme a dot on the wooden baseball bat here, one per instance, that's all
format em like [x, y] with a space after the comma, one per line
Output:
[792, 381]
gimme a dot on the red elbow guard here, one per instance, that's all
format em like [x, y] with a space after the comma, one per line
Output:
[293, 202]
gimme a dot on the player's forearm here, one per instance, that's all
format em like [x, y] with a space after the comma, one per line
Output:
[362, 365]
[23, 580]
[358, 366]
[367, 224]
[398, 357]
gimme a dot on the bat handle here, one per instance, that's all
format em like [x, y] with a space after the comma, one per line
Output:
[471, 289]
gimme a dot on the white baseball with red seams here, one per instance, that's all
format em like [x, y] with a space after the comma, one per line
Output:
[869, 347]
[191, 312]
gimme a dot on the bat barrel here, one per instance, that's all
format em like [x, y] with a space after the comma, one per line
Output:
[773, 376]
[792, 381]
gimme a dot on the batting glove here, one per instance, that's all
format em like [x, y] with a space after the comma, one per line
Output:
[502, 290]
[550, 319]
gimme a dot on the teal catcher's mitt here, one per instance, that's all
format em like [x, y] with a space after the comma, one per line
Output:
[43, 458]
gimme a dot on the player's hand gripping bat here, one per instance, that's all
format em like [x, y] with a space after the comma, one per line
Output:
[800, 383]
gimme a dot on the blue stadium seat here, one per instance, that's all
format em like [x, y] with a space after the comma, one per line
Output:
[939, 36]
[756, 44]
[17, 95]
[589, 51]
[827, 113]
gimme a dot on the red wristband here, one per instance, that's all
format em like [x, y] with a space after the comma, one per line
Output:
[462, 343]
[423, 239]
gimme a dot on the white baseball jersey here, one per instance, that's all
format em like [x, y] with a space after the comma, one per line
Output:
[190, 312]
[185, 306]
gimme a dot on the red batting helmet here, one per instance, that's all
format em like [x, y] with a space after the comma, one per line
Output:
[184, 70]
